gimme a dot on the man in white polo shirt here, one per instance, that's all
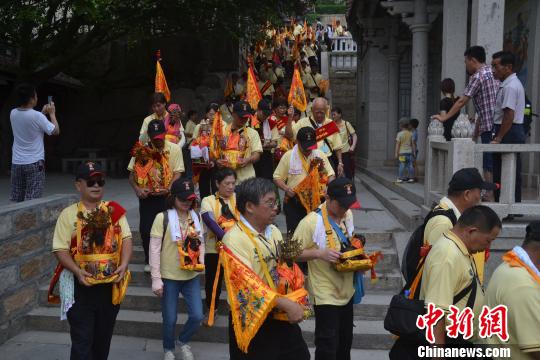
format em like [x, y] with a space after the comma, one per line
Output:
[508, 113]
[28, 159]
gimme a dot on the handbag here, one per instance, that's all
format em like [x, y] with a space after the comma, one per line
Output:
[404, 310]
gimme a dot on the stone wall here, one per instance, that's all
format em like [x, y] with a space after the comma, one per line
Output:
[26, 262]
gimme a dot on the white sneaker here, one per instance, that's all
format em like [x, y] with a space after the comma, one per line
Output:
[146, 268]
[399, 181]
[185, 351]
[169, 355]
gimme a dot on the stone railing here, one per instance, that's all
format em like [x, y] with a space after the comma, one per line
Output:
[26, 262]
[343, 44]
[444, 158]
[343, 60]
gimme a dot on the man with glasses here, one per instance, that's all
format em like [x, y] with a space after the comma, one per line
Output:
[92, 243]
[255, 242]
[509, 113]
[324, 233]
[154, 166]
[482, 88]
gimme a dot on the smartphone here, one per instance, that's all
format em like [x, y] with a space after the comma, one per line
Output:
[49, 99]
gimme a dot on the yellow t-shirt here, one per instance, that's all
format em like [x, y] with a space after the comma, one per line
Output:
[404, 137]
[269, 91]
[176, 161]
[170, 258]
[254, 145]
[143, 133]
[190, 127]
[292, 180]
[440, 224]
[241, 246]
[209, 205]
[334, 140]
[516, 288]
[449, 268]
[345, 129]
[326, 285]
[66, 227]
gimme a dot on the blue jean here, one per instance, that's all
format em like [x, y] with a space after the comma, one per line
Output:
[407, 164]
[191, 291]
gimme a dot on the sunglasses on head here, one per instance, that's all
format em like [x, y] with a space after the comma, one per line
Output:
[92, 182]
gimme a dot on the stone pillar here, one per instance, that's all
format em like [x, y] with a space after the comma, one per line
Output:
[487, 25]
[420, 30]
[393, 91]
[454, 42]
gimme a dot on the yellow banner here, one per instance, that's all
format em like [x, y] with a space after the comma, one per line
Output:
[161, 83]
[253, 94]
[297, 95]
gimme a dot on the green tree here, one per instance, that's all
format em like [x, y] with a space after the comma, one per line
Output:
[49, 35]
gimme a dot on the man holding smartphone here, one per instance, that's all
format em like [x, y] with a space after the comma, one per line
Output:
[28, 159]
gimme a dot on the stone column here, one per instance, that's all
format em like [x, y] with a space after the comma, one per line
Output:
[487, 25]
[420, 30]
[454, 42]
[393, 91]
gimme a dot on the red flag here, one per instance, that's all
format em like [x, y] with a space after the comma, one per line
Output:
[326, 130]
[160, 82]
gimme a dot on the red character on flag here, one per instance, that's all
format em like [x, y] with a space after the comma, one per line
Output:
[429, 320]
[460, 322]
[494, 322]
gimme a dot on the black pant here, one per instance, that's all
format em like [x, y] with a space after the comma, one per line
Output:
[264, 168]
[148, 209]
[275, 340]
[91, 322]
[294, 212]
[206, 183]
[348, 164]
[210, 269]
[186, 155]
[516, 135]
[333, 331]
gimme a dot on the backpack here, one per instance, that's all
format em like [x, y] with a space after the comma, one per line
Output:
[411, 255]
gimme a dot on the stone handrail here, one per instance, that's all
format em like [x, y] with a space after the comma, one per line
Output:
[343, 44]
[343, 60]
[444, 158]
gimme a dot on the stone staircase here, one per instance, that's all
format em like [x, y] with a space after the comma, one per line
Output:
[406, 202]
[140, 314]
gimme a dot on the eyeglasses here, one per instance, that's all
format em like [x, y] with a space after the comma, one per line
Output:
[271, 204]
[92, 182]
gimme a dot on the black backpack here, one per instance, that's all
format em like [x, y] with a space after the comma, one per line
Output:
[411, 255]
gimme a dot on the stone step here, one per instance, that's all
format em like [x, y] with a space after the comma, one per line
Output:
[48, 345]
[367, 334]
[407, 213]
[402, 189]
[389, 280]
[373, 306]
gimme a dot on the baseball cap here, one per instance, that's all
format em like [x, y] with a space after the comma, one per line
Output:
[242, 108]
[307, 138]
[344, 191]
[156, 129]
[88, 169]
[183, 189]
[265, 107]
[467, 179]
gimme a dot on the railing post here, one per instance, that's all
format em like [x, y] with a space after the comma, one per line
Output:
[508, 178]
[435, 134]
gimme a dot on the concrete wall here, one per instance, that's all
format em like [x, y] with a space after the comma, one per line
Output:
[343, 84]
[26, 262]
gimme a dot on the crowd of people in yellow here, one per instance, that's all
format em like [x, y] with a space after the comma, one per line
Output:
[209, 191]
